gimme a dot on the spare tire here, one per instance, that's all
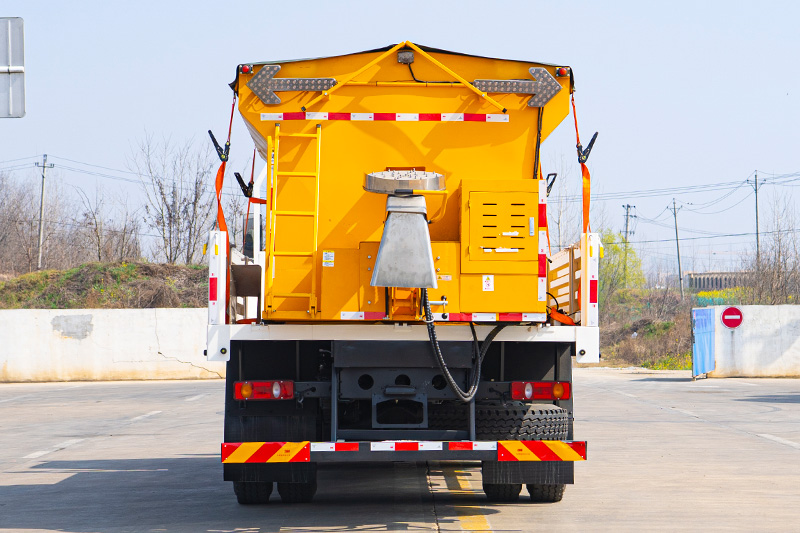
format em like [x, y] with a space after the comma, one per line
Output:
[521, 422]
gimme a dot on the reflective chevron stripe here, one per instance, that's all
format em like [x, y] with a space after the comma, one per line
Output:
[298, 452]
[266, 452]
[540, 450]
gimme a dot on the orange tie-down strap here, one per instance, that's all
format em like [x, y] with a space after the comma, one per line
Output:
[301, 452]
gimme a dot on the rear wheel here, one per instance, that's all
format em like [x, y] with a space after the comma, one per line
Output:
[521, 422]
[502, 492]
[546, 493]
[252, 492]
[297, 492]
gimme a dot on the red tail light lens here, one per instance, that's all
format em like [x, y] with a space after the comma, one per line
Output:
[263, 390]
[540, 390]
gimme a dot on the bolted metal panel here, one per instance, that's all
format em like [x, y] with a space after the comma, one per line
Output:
[12, 68]
[405, 258]
[543, 87]
[264, 85]
[389, 181]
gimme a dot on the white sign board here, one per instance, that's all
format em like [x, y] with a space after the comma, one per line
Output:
[12, 68]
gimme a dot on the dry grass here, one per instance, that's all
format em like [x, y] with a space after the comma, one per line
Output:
[648, 328]
[119, 285]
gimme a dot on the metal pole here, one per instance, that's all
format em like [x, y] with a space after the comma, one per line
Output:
[625, 264]
[758, 240]
[677, 246]
[44, 167]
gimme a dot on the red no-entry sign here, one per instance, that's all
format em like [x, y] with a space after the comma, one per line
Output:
[731, 317]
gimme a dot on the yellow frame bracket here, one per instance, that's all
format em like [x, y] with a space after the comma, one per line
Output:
[462, 81]
[344, 82]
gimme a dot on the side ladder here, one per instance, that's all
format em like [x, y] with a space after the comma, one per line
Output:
[276, 213]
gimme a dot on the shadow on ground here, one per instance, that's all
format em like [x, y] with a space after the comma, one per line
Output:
[188, 494]
[665, 379]
[772, 398]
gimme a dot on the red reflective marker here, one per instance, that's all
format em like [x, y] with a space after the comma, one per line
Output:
[731, 317]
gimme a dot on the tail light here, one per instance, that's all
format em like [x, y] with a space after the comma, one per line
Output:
[540, 390]
[263, 390]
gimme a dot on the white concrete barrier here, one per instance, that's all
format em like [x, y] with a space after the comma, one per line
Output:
[766, 344]
[104, 344]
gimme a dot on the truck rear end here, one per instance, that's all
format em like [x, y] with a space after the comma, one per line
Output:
[399, 302]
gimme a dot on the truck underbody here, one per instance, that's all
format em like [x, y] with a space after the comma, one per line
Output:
[378, 400]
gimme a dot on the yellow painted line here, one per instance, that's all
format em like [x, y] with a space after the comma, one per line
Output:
[286, 452]
[470, 517]
[243, 452]
[564, 451]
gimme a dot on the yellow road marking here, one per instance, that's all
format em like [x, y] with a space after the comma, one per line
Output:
[470, 517]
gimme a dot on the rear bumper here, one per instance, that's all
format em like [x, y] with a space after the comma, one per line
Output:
[345, 452]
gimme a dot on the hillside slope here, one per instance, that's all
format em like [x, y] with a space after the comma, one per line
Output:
[124, 285]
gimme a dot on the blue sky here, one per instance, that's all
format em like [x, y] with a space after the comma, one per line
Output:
[682, 93]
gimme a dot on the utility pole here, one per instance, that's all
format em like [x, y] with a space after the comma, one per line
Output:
[677, 246]
[44, 166]
[758, 240]
[625, 264]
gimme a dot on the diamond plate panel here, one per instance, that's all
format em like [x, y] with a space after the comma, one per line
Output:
[264, 84]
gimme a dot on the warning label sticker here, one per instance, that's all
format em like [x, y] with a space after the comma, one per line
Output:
[327, 258]
[444, 277]
[488, 282]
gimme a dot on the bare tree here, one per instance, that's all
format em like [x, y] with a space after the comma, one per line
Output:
[775, 274]
[178, 184]
[111, 235]
[564, 206]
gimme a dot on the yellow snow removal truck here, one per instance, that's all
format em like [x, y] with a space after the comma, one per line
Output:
[396, 299]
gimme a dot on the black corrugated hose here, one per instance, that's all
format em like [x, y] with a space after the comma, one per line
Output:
[479, 351]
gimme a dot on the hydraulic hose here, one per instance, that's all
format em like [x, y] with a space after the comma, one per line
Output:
[479, 351]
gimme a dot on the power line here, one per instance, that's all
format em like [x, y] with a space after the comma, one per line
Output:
[37, 156]
[721, 236]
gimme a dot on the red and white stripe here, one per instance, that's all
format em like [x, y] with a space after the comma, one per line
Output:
[217, 269]
[334, 446]
[542, 225]
[389, 117]
[404, 446]
[592, 312]
[454, 317]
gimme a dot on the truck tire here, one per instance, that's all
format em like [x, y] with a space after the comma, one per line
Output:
[521, 422]
[502, 492]
[446, 416]
[546, 493]
[297, 492]
[252, 492]
[518, 422]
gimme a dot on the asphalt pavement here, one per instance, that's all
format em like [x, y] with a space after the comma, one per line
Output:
[665, 453]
